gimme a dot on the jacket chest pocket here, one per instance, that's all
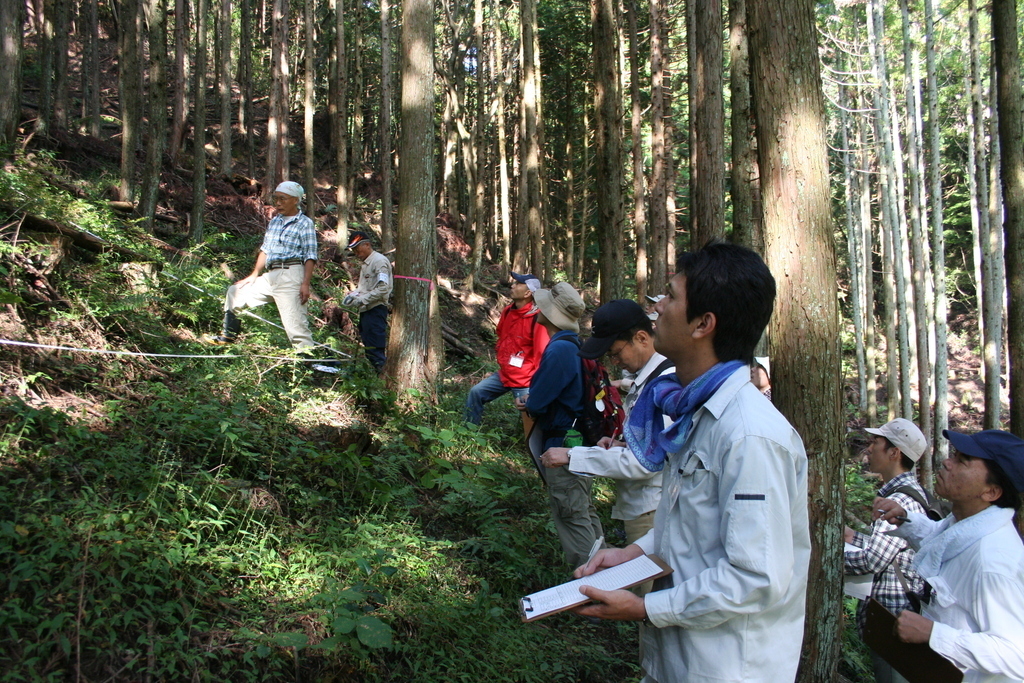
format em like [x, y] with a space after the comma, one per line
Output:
[691, 476]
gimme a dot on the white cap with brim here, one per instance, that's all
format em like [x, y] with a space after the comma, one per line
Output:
[904, 435]
[562, 305]
[290, 188]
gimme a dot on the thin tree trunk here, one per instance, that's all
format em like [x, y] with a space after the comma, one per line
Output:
[1007, 57]
[938, 241]
[532, 162]
[659, 266]
[130, 96]
[341, 196]
[868, 284]
[246, 115]
[356, 159]
[476, 147]
[226, 162]
[387, 233]
[199, 136]
[60, 63]
[309, 158]
[608, 147]
[639, 198]
[799, 243]
[155, 14]
[94, 107]
[499, 122]
[179, 108]
[414, 346]
[993, 278]
[707, 129]
[581, 249]
[11, 23]
[746, 228]
[921, 266]
[43, 118]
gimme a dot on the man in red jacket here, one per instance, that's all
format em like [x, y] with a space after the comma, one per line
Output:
[521, 342]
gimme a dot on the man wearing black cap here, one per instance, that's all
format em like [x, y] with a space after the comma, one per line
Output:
[972, 561]
[371, 297]
[623, 331]
[521, 342]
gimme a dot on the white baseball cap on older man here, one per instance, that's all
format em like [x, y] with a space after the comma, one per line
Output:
[904, 435]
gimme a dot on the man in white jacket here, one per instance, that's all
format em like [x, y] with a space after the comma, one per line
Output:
[972, 561]
[732, 522]
[622, 331]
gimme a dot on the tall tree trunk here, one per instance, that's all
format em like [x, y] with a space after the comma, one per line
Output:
[387, 234]
[921, 266]
[1007, 58]
[476, 147]
[639, 200]
[61, 27]
[608, 146]
[854, 233]
[226, 162]
[805, 350]
[707, 130]
[341, 196]
[868, 268]
[660, 171]
[92, 57]
[308, 157]
[993, 277]
[581, 250]
[277, 125]
[358, 116]
[199, 135]
[46, 59]
[11, 22]
[179, 108]
[155, 15]
[532, 200]
[499, 122]
[246, 115]
[743, 178]
[130, 96]
[940, 447]
[414, 346]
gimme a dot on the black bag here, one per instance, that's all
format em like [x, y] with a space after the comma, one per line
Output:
[935, 508]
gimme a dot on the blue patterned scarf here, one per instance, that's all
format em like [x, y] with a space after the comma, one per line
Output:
[664, 395]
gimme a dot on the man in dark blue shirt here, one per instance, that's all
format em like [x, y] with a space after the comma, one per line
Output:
[555, 401]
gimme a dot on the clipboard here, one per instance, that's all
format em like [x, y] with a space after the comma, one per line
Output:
[917, 662]
[567, 595]
[535, 444]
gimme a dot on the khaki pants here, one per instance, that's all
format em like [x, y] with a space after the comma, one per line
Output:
[574, 515]
[636, 529]
[281, 286]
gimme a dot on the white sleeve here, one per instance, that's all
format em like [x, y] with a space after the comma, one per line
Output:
[614, 463]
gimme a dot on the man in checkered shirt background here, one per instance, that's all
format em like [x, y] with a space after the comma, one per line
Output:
[893, 451]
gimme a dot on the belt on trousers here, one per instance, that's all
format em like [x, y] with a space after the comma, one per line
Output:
[273, 265]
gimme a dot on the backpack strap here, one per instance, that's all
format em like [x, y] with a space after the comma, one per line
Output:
[911, 492]
[662, 367]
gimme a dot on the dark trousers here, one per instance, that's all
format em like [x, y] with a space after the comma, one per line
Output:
[373, 330]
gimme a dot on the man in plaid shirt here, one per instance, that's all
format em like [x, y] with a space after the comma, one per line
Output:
[289, 254]
[894, 449]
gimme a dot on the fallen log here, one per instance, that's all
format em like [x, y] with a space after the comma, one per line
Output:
[80, 238]
[452, 339]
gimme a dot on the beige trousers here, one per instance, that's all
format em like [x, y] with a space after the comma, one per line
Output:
[281, 286]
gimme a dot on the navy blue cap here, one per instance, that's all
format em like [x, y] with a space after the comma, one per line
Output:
[1002, 448]
[527, 279]
[611, 320]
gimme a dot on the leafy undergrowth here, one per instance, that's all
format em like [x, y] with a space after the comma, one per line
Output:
[244, 518]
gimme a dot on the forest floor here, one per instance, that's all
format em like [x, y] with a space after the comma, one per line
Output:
[120, 476]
